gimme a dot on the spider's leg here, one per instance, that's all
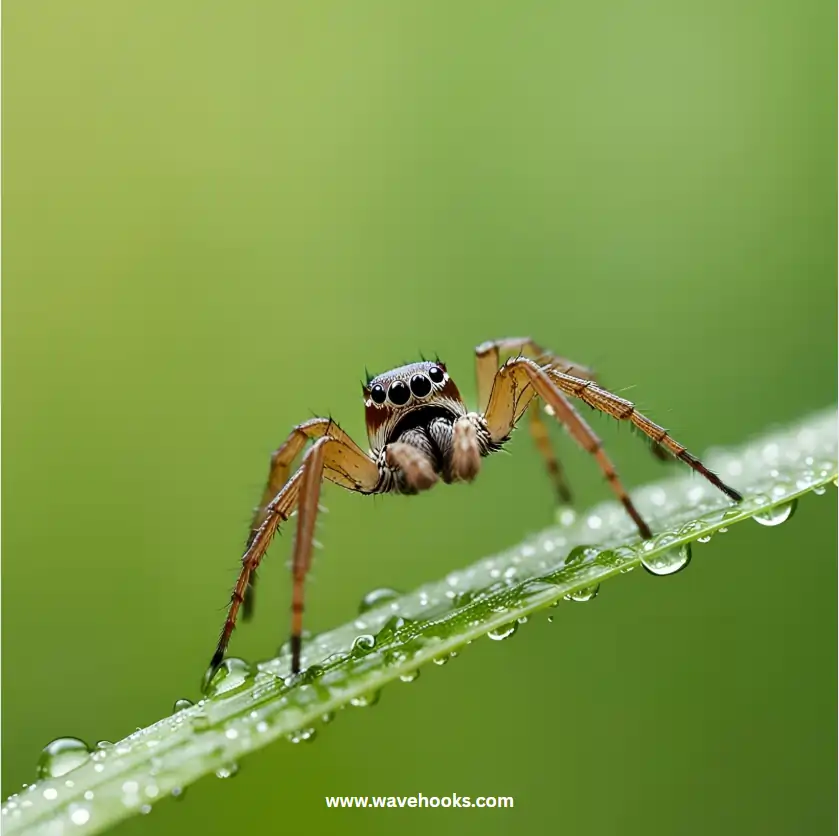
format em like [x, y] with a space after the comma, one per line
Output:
[539, 433]
[490, 354]
[601, 399]
[328, 458]
[281, 461]
[487, 359]
[519, 381]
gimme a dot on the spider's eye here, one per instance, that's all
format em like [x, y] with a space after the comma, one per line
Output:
[436, 374]
[420, 385]
[398, 393]
[378, 394]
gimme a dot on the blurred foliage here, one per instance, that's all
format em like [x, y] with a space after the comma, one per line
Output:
[215, 216]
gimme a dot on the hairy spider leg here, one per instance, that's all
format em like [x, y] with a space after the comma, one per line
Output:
[328, 458]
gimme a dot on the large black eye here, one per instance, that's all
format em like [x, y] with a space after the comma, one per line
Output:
[398, 393]
[378, 394]
[420, 385]
[436, 374]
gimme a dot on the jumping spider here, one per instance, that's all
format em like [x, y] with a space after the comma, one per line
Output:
[420, 431]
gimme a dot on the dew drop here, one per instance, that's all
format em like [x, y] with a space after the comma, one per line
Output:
[178, 793]
[777, 515]
[410, 676]
[200, 722]
[80, 816]
[363, 644]
[181, 704]
[229, 770]
[231, 675]
[390, 628]
[668, 562]
[566, 516]
[366, 700]
[579, 554]
[585, 594]
[60, 756]
[820, 490]
[463, 598]
[705, 538]
[376, 598]
[302, 735]
[440, 660]
[328, 717]
[503, 632]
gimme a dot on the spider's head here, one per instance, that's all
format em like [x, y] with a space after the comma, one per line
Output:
[419, 390]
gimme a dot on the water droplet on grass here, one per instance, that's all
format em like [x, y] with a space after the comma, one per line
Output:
[410, 676]
[585, 594]
[503, 632]
[777, 515]
[366, 700]
[580, 554]
[667, 562]
[376, 598]
[181, 704]
[80, 816]
[566, 516]
[229, 770]
[390, 628]
[230, 676]
[60, 756]
[363, 645]
[302, 736]
[200, 722]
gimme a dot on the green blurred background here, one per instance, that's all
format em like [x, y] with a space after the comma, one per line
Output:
[217, 214]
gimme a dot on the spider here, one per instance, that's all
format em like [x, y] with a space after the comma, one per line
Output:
[420, 432]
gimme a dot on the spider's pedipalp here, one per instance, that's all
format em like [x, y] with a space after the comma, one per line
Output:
[466, 449]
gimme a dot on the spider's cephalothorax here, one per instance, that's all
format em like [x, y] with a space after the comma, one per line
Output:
[420, 432]
[419, 429]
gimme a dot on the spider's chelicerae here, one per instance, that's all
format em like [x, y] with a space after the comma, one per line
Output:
[420, 432]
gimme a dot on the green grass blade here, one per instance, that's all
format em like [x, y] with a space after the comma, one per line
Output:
[250, 707]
